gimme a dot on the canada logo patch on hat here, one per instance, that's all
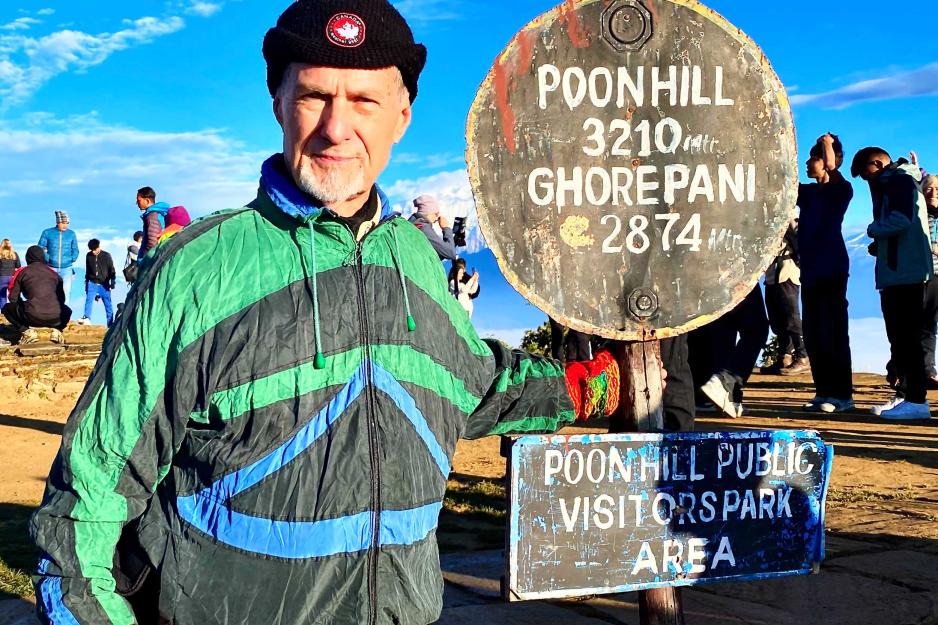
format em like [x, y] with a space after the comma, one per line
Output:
[346, 30]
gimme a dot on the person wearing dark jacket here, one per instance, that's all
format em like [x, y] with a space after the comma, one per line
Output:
[9, 263]
[903, 265]
[100, 279]
[43, 299]
[153, 214]
[428, 213]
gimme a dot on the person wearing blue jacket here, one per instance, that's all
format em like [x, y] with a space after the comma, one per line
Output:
[153, 214]
[61, 247]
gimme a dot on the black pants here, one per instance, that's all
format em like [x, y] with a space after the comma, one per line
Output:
[781, 301]
[15, 312]
[930, 327]
[678, 397]
[903, 313]
[720, 351]
[826, 335]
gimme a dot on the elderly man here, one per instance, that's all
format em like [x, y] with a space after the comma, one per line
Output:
[267, 439]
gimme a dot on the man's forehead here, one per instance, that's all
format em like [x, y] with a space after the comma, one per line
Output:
[321, 76]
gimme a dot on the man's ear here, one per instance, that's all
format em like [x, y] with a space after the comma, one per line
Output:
[403, 123]
[278, 112]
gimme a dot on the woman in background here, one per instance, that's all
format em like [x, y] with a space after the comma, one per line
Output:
[9, 263]
[462, 286]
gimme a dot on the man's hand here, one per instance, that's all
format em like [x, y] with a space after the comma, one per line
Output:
[444, 222]
[913, 157]
[826, 139]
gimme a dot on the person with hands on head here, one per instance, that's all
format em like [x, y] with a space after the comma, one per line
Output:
[903, 265]
[825, 267]
[272, 446]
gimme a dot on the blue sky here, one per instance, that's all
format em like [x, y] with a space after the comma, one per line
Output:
[98, 99]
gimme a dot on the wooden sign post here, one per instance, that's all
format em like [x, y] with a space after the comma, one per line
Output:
[634, 168]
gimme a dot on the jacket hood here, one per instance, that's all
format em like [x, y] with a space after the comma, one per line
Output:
[902, 166]
[35, 254]
[286, 196]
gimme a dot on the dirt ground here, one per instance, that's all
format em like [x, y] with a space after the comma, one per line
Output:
[884, 484]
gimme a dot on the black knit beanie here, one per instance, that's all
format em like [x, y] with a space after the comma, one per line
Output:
[353, 34]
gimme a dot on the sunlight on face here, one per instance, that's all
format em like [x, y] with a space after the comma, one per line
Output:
[338, 129]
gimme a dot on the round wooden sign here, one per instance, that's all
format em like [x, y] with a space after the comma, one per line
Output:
[633, 164]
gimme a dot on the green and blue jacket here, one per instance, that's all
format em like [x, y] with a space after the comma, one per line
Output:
[277, 411]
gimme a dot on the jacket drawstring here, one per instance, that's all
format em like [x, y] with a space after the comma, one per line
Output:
[396, 255]
[319, 361]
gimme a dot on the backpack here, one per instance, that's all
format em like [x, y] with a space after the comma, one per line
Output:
[177, 216]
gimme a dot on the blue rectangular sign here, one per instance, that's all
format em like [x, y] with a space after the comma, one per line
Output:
[615, 513]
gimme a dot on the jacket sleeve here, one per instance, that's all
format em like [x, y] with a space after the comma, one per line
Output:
[73, 252]
[117, 446]
[528, 395]
[445, 246]
[14, 290]
[152, 229]
[901, 206]
[111, 271]
[44, 243]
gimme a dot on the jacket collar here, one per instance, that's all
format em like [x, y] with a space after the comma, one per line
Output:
[290, 200]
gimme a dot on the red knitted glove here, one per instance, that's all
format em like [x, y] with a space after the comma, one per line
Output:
[594, 386]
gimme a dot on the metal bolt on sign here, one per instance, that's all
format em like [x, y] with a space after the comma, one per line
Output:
[643, 303]
[627, 25]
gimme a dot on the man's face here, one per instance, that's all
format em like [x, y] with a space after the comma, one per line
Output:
[815, 168]
[144, 203]
[931, 194]
[338, 129]
[96, 251]
[62, 226]
[874, 167]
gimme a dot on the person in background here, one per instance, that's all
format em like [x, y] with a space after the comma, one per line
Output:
[9, 263]
[903, 265]
[37, 299]
[782, 288]
[61, 247]
[130, 262]
[427, 214]
[153, 214]
[100, 279]
[930, 191]
[734, 359]
[462, 286]
[825, 267]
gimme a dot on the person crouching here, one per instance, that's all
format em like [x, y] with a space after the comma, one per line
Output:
[37, 299]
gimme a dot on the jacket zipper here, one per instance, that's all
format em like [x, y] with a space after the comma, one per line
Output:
[371, 415]
[60, 249]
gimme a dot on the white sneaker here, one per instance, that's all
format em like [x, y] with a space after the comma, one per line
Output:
[57, 337]
[907, 411]
[28, 337]
[830, 406]
[721, 398]
[84, 321]
[815, 404]
[889, 405]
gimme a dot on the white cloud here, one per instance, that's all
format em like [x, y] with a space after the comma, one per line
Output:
[45, 12]
[869, 346]
[93, 169]
[21, 23]
[27, 63]
[452, 190]
[204, 9]
[922, 81]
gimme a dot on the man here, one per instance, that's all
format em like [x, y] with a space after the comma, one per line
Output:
[277, 408]
[61, 247]
[825, 267]
[427, 214]
[153, 214]
[100, 279]
[903, 265]
[782, 286]
[37, 299]
[130, 262]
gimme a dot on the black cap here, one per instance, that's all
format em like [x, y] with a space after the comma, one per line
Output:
[353, 34]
